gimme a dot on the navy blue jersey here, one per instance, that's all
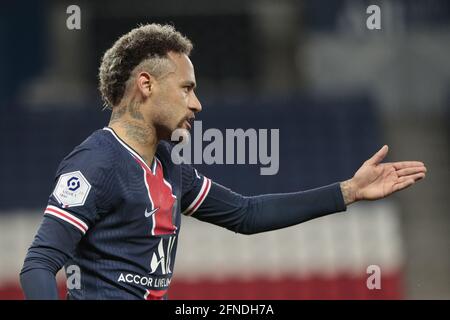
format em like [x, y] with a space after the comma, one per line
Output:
[127, 213]
[117, 220]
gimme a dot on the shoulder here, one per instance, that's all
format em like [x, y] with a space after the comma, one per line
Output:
[97, 152]
[165, 147]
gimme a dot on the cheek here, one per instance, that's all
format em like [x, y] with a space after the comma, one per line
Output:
[171, 107]
[184, 97]
[161, 109]
[182, 102]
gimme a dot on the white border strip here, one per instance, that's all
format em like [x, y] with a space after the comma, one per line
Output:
[201, 196]
[66, 216]
[134, 153]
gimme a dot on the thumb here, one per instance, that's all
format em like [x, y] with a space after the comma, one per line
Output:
[379, 156]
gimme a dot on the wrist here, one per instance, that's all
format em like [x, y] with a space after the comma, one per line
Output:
[348, 190]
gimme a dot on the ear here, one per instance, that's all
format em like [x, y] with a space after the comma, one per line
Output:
[145, 83]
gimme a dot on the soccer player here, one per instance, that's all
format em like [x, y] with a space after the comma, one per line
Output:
[116, 206]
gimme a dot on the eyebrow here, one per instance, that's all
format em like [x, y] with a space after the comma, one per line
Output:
[189, 83]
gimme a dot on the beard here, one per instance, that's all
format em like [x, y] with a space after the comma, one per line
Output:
[165, 132]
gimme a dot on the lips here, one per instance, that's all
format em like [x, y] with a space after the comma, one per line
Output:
[189, 122]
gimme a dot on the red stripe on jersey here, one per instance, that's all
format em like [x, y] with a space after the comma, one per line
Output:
[162, 198]
[201, 198]
[155, 294]
[66, 215]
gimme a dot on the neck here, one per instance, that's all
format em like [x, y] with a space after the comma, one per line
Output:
[139, 136]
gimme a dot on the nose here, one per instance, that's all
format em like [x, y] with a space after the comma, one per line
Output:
[194, 103]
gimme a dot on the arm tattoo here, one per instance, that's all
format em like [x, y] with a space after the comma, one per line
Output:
[347, 192]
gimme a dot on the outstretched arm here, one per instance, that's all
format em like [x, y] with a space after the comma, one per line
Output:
[248, 215]
[376, 180]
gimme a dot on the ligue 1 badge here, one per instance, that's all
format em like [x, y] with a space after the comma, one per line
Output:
[72, 189]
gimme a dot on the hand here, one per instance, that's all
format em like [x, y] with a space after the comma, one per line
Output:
[375, 180]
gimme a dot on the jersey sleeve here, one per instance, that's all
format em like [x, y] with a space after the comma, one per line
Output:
[195, 189]
[210, 202]
[83, 189]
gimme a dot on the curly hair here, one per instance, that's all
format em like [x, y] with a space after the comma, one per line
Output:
[146, 45]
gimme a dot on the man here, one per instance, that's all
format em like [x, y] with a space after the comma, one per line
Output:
[116, 207]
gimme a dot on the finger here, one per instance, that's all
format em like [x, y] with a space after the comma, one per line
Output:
[403, 185]
[407, 164]
[379, 156]
[414, 177]
[410, 170]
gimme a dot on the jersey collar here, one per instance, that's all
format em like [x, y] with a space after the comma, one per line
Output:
[133, 152]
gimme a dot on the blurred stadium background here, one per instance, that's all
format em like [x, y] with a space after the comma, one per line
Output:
[336, 90]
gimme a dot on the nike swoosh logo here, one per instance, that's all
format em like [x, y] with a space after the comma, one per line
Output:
[150, 213]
